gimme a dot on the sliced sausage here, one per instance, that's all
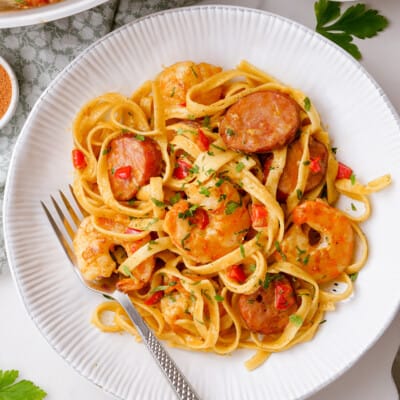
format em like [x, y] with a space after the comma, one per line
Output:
[260, 122]
[131, 163]
[318, 166]
[267, 311]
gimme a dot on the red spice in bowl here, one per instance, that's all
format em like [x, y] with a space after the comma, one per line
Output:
[9, 92]
[5, 91]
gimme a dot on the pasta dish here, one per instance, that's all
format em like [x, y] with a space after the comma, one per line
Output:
[210, 197]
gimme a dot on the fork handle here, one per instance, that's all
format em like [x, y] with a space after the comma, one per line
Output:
[177, 380]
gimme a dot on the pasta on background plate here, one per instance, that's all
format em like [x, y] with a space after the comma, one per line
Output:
[210, 195]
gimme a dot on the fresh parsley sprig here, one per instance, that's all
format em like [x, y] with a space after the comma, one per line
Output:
[9, 390]
[357, 21]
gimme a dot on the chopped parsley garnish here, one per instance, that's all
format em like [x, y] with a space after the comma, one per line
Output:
[239, 166]
[140, 137]
[231, 207]
[189, 212]
[204, 190]
[252, 267]
[353, 207]
[172, 92]
[296, 319]
[206, 121]
[222, 197]
[175, 198]
[205, 294]
[334, 150]
[157, 203]
[194, 72]
[242, 251]
[195, 169]
[230, 132]
[352, 179]
[105, 151]
[354, 276]
[218, 298]
[307, 104]
[217, 147]
[269, 278]
[158, 289]
[279, 250]
[299, 194]
[220, 182]
[186, 237]
[127, 271]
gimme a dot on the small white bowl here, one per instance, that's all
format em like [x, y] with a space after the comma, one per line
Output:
[14, 96]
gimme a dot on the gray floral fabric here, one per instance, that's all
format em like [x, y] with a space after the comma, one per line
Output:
[38, 53]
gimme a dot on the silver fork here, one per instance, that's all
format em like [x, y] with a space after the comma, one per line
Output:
[61, 223]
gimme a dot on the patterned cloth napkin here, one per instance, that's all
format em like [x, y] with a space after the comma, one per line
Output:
[38, 53]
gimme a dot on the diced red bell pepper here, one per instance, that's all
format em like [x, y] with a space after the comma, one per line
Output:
[344, 172]
[259, 216]
[154, 298]
[78, 159]
[124, 172]
[200, 218]
[182, 169]
[202, 140]
[236, 273]
[315, 165]
[284, 297]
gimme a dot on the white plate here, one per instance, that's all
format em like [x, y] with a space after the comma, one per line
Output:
[39, 15]
[362, 123]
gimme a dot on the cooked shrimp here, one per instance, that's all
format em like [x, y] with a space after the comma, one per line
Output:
[268, 310]
[175, 306]
[321, 240]
[93, 252]
[178, 78]
[212, 221]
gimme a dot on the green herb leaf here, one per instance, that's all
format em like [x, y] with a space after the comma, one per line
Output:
[218, 298]
[26, 390]
[230, 132]
[279, 250]
[354, 276]
[296, 319]
[206, 121]
[175, 198]
[140, 137]
[157, 203]
[204, 190]
[127, 271]
[239, 166]
[158, 289]
[242, 252]
[307, 104]
[356, 21]
[231, 206]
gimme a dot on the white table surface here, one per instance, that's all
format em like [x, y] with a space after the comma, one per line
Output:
[22, 347]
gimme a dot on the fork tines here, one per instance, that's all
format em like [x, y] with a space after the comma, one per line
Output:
[66, 220]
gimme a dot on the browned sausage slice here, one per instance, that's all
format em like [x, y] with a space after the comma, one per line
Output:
[318, 166]
[260, 122]
[267, 311]
[131, 163]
